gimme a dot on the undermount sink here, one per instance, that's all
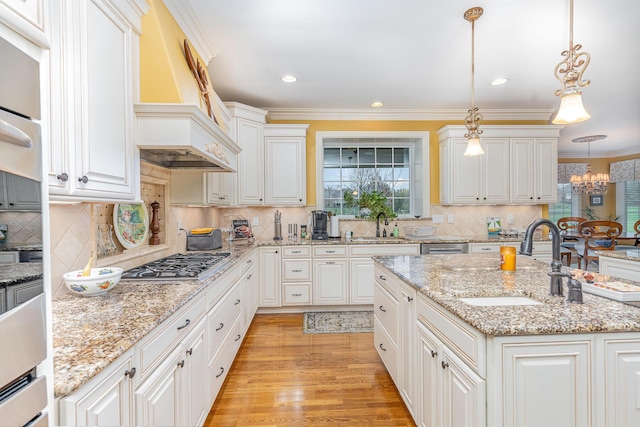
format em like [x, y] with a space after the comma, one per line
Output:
[499, 301]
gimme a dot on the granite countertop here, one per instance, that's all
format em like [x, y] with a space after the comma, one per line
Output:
[14, 273]
[628, 254]
[91, 332]
[364, 240]
[447, 278]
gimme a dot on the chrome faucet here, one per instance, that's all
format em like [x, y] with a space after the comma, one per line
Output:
[386, 222]
[555, 287]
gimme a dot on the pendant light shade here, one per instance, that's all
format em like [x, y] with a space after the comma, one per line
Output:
[571, 110]
[473, 147]
[473, 120]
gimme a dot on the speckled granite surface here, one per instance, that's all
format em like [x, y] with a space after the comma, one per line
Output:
[11, 274]
[447, 278]
[629, 254]
[91, 332]
[394, 240]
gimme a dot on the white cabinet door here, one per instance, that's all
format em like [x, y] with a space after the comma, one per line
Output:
[195, 386]
[406, 346]
[330, 281]
[621, 268]
[22, 194]
[622, 382]
[249, 136]
[428, 412]
[95, 77]
[108, 400]
[285, 171]
[495, 170]
[361, 283]
[534, 174]
[270, 277]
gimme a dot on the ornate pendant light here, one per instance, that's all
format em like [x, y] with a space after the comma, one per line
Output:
[473, 120]
[569, 73]
[589, 183]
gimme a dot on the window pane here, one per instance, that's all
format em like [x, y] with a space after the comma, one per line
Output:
[331, 174]
[331, 156]
[367, 156]
[384, 155]
[401, 206]
[401, 174]
[401, 155]
[349, 156]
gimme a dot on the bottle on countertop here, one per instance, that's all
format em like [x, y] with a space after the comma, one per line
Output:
[396, 232]
[384, 233]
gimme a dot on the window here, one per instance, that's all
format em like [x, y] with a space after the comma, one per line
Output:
[393, 164]
[568, 204]
[628, 203]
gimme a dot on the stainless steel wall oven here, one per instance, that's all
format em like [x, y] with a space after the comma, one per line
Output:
[23, 390]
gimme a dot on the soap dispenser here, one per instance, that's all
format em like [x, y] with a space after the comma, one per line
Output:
[396, 232]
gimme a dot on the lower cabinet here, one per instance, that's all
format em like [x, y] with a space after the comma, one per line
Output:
[621, 268]
[270, 276]
[620, 382]
[330, 281]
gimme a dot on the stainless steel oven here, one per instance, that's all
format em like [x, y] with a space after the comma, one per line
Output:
[444, 248]
[23, 389]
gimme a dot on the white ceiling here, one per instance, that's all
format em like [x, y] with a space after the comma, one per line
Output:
[415, 56]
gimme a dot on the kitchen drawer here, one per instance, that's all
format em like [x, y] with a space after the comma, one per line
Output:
[154, 348]
[222, 317]
[248, 262]
[296, 251]
[296, 270]
[374, 250]
[386, 309]
[220, 286]
[466, 342]
[221, 363]
[297, 294]
[484, 248]
[329, 251]
[387, 280]
[386, 348]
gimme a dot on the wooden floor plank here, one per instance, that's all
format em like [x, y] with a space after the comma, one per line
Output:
[283, 377]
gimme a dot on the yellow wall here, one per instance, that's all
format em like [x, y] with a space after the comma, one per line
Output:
[392, 125]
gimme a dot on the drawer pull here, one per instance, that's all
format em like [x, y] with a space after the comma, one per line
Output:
[187, 323]
[190, 351]
[249, 261]
[296, 252]
[409, 298]
[237, 302]
[220, 327]
[297, 270]
[382, 347]
[445, 365]
[249, 276]
[382, 309]
[296, 295]
[181, 363]
[382, 277]
[130, 373]
[434, 353]
[486, 249]
[221, 372]
[330, 252]
[238, 338]
[330, 262]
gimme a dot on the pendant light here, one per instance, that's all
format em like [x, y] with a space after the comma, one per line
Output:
[473, 120]
[589, 183]
[569, 73]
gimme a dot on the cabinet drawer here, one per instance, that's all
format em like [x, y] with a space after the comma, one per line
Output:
[387, 281]
[296, 270]
[155, 347]
[484, 248]
[386, 348]
[299, 294]
[220, 365]
[386, 309]
[330, 251]
[296, 251]
[466, 342]
[249, 262]
[222, 317]
[373, 250]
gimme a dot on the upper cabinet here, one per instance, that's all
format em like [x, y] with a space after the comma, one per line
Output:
[18, 193]
[94, 84]
[27, 18]
[519, 166]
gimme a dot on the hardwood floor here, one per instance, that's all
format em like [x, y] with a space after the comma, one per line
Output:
[282, 377]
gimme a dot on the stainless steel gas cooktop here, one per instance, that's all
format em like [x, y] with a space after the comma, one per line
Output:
[179, 267]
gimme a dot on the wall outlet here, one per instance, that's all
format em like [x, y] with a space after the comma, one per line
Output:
[450, 218]
[179, 226]
[510, 219]
[256, 220]
[437, 219]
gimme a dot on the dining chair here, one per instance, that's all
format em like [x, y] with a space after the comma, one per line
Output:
[599, 235]
[569, 225]
[636, 228]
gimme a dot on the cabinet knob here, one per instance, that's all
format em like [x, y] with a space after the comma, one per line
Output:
[434, 353]
[382, 347]
[83, 179]
[63, 177]
[181, 363]
[189, 352]
[444, 364]
[11, 204]
[221, 372]
[531, 198]
[538, 197]
[130, 373]
[382, 309]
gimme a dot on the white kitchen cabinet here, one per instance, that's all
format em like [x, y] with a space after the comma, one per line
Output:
[474, 179]
[106, 400]
[195, 402]
[249, 283]
[28, 18]
[330, 275]
[197, 188]
[285, 167]
[19, 194]
[22, 292]
[3, 301]
[270, 276]
[541, 250]
[94, 84]
[534, 170]
[296, 275]
[406, 346]
[621, 268]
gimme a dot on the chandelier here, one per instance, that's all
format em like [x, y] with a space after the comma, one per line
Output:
[569, 73]
[473, 120]
[589, 183]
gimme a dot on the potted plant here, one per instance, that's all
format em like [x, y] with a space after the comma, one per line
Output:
[369, 204]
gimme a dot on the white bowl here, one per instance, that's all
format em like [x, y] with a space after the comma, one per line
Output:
[99, 282]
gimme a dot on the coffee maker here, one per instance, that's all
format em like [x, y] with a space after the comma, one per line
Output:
[319, 225]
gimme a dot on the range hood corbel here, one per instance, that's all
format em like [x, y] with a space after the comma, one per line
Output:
[180, 136]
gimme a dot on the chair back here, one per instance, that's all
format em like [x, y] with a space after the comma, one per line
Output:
[636, 227]
[599, 235]
[570, 223]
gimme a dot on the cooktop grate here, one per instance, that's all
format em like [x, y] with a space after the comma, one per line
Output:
[179, 267]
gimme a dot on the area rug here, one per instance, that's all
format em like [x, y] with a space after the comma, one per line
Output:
[337, 322]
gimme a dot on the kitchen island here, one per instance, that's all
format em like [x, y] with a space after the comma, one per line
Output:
[459, 356]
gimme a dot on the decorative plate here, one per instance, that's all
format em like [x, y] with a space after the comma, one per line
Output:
[131, 223]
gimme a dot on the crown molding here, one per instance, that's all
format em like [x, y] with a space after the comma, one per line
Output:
[399, 114]
[188, 22]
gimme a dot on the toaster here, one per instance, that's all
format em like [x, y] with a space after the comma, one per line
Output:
[204, 242]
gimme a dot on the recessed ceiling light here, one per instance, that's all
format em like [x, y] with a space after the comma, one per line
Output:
[499, 81]
[377, 104]
[289, 78]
